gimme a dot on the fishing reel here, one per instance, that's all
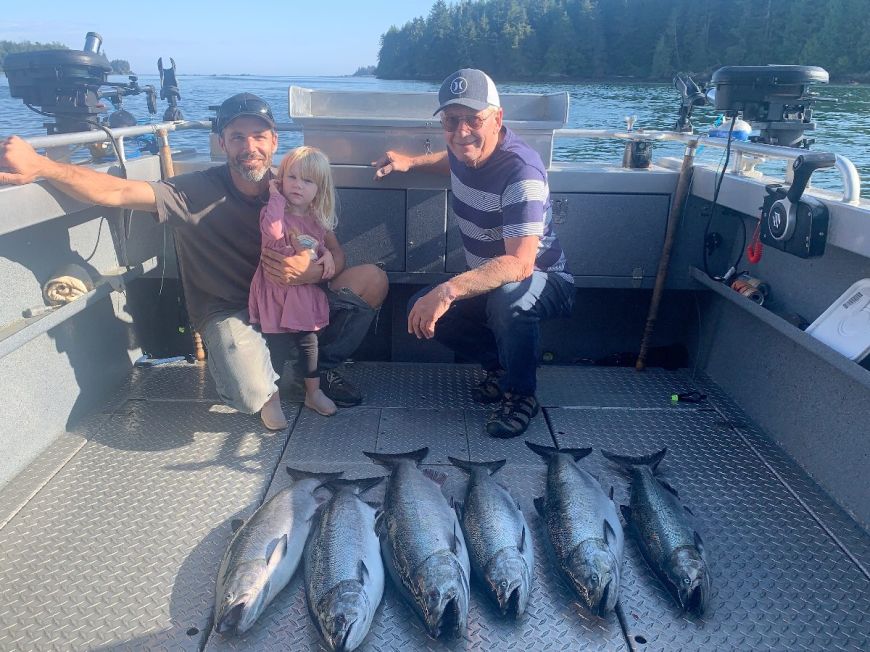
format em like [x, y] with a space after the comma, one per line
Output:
[790, 222]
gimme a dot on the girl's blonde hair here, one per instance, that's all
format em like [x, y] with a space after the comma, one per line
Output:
[314, 165]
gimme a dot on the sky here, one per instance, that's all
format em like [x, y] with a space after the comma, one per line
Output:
[267, 37]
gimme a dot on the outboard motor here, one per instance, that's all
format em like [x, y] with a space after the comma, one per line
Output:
[775, 100]
[65, 85]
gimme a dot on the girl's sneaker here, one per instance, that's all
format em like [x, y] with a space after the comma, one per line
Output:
[320, 403]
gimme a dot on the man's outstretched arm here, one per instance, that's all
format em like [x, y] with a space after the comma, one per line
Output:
[20, 164]
[397, 162]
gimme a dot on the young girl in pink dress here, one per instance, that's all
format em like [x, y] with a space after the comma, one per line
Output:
[300, 215]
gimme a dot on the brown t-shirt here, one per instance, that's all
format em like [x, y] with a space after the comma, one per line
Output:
[217, 236]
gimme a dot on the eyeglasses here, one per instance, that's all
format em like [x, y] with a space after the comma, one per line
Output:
[230, 110]
[452, 122]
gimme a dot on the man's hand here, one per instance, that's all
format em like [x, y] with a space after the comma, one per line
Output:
[289, 270]
[391, 162]
[328, 263]
[19, 162]
[428, 310]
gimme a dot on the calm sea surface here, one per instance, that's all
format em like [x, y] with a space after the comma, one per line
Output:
[842, 126]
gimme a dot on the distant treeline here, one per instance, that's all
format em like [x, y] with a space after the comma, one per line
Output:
[641, 39]
[10, 47]
[119, 66]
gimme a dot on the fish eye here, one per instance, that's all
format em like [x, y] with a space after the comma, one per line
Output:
[686, 580]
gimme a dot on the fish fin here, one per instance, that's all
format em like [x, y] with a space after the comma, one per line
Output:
[357, 486]
[689, 510]
[544, 451]
[548, 451]
[299, 474]
[644, 460]
[454, 547]
[522, 545]
[609, 532]
[699, 543]
[539, 505]
[237, 524]
[277, 552]
[626, 512]
[576, 453]
[667, 485]
[363, 572]
[611, 492]
[391, 459]
[458, 507]
[468, 467]
[438, 477]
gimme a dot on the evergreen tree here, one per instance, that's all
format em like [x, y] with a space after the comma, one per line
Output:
[644, 39]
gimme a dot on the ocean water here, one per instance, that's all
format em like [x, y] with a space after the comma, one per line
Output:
[842, 118]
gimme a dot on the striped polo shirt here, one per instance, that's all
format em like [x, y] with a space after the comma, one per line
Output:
[507, 197]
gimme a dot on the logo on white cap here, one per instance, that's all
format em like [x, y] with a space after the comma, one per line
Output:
[458, 86]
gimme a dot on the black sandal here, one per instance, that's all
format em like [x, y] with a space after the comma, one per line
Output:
[487, 390]
[512, 417]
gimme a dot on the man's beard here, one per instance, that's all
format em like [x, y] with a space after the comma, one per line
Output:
[254, 175]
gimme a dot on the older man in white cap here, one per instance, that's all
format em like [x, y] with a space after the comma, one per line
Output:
[517, 273]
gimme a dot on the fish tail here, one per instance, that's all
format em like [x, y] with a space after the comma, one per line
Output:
[390, 459]
[549, 451]
[299, 474]
[651, 460]
[469, 467]
[357, 486]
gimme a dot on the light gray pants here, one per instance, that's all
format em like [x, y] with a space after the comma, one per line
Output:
[242, 364]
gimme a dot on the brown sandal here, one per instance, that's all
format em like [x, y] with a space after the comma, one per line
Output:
[512, 417]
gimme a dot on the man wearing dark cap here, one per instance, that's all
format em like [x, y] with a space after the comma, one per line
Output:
[517, 275]
[215, 218]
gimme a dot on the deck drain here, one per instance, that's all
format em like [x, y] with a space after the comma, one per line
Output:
[640, 639]
[193, 631]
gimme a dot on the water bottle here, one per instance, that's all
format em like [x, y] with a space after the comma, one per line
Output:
[722, 126]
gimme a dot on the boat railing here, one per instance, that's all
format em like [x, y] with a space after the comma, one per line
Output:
[747, 155]
[740, 164]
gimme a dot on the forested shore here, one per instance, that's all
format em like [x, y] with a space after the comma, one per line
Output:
[645, 40]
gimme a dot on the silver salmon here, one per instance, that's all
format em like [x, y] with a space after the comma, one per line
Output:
[264, 553]
[344, 574]
[583, 528]
[665, 533]
[423, 546]
[499, 541]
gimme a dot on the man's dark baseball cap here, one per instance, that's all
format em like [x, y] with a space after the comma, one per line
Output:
[240, 105]
[468, 87]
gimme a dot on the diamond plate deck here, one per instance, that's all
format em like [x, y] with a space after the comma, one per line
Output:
[779, 581]
[119, 547]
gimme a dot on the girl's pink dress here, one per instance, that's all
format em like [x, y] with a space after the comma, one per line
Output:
[286, 308]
